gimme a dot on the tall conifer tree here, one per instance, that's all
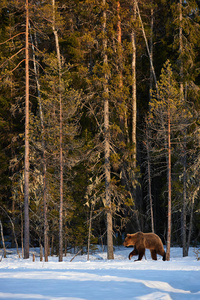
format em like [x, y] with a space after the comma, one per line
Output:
[26, 161]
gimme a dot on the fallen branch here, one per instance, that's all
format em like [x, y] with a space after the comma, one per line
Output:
[76, 254]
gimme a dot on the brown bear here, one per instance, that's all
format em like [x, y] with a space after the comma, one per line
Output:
[142, 241]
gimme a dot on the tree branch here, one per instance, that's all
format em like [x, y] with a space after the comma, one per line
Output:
[12, 38]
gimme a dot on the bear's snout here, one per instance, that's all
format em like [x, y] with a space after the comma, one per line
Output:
[125, 244]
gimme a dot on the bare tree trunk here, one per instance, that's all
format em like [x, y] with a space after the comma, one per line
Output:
[61, 135]
[147, 46]
[22, 233]
[123, 118]
[169, 187]
[147, 137]
[3, 242]
[46, 243]
[183, 217]
[119, 39]
[26, 160]
[181, 45]
[151, 51]
[191, 219]
[134, 97]
[41, 252]
[149, 179]
[134, 115]
[61, 187]
[110, 254]
[13, 229]
[89, 232]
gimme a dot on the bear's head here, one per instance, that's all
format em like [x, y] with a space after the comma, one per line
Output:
[130, 240]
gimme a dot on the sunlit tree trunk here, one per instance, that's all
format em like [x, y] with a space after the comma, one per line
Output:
[61, 137]
[26, 161]
[119, 39]
[147, 144]
[147, 46]
[3, 241]
[147, 138]
[169, 187]
[151, 50]
[134, 98]
[110, 254]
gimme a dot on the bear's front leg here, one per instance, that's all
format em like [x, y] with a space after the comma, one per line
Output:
[134, 252]
[141, 252]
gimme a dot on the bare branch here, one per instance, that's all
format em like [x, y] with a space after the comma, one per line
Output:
[12, 38]
[11, 57]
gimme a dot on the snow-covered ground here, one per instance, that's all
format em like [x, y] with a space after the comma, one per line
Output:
[101, 279]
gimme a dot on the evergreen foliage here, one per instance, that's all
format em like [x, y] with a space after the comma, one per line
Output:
[96, 65]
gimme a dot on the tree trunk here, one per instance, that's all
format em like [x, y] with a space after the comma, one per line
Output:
[183, 212]
[22, 232]
[149, 180]
[119, 39]
[147, 46]
[61, 136]
[110, 254]
[134, 116]
[151, 51]
[181, 46]
[134, 99]
[183, 217]
[191, 221]
[13, 230]
[43, 153]
[169, 187]
[147, 137]
[89, 232]
[26, 160]
[123, 117]
[3, 242]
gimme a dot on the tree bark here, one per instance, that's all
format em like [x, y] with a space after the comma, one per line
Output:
[89, 232]
[149, 179]
[147, 137]
[169, 187]
[151, 50]
[26, 160]
[183, 217]
[134, 97]
[110, 254]
[3, 241]
[61, 137]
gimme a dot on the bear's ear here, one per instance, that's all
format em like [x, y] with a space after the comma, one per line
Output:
[128, 234]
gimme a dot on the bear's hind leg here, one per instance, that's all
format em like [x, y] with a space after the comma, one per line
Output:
[153, 254]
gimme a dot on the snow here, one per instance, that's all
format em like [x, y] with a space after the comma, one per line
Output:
[101, 279]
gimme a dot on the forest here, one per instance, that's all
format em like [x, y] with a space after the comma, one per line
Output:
[99, 123]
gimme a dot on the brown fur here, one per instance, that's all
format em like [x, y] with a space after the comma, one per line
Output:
[142, 241]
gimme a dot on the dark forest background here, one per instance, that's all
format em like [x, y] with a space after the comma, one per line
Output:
[142, 59]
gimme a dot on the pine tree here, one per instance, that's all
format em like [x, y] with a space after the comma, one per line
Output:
[26, 161]
[166, 122]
